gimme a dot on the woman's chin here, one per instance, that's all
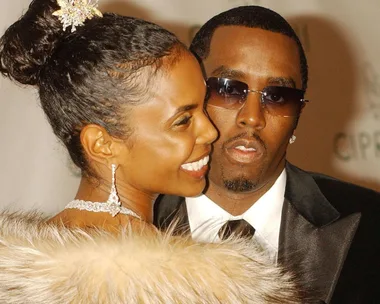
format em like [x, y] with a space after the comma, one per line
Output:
[191, 189]
[196, 191]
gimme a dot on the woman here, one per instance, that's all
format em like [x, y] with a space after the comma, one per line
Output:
[126, 99]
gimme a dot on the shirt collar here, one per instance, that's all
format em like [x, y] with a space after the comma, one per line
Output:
[206, 217]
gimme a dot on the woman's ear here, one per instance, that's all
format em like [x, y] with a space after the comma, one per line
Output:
[98, 144]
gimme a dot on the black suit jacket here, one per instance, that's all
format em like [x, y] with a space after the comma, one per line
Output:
[329, 236]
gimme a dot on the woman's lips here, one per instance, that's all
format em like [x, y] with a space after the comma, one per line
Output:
[197, 169]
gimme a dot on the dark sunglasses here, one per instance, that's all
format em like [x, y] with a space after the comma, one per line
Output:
[232, 94]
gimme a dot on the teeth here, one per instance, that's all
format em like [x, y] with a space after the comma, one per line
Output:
[196, 166]
[242, 148]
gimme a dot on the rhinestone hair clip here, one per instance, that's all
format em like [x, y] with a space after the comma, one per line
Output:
[75, 12]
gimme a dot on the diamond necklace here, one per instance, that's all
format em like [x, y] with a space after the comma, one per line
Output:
[113, 209]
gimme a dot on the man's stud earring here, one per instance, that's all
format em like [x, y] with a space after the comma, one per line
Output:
[292, 139]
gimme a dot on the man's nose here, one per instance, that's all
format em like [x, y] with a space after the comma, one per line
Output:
[252, 113]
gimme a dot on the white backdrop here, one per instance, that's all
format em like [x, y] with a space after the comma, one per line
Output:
[339, 132]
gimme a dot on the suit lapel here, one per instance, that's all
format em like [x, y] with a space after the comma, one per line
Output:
[171, 213]
[182, 224]
[314, 238]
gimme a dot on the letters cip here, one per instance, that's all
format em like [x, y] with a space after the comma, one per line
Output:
[362, 145]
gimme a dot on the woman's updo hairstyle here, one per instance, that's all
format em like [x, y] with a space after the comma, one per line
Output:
[88, 76]
[28, 43]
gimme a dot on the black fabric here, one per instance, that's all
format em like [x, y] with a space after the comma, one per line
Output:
[329, 235]
[309, 253]
[239, 228]
[170, 212]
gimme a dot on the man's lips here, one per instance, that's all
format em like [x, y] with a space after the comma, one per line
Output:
[244, 150]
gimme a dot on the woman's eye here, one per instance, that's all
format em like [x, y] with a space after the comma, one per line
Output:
[183, 121]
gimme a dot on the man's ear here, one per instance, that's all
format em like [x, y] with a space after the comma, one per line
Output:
[98, 144]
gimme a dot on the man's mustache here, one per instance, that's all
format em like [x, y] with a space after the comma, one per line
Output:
[245, 135]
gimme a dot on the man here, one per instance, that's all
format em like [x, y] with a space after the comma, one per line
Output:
[326, 230]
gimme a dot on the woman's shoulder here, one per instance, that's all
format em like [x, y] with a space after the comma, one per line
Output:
[38, 260]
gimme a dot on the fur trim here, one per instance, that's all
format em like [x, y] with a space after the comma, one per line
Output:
[41, 263]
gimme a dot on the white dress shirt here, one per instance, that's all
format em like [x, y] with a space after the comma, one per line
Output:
[206, 217]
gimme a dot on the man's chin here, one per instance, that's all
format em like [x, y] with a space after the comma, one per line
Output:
[240, 185]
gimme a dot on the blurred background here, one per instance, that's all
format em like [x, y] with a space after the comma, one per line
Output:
[338, 133]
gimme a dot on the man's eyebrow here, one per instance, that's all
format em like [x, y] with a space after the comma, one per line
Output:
[283, 81]
[225, 72]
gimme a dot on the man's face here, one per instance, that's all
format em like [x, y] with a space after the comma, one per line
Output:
[250, 151]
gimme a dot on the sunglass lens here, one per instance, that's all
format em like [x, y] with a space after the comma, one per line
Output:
[226, 93]
[283, 101]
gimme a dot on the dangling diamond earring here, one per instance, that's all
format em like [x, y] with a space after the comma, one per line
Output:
[113, 199]
[292, 139]
[112, 206]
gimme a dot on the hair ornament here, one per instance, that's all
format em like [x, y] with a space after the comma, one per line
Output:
[75, 12]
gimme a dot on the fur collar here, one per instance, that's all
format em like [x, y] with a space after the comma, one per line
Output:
[41, 263]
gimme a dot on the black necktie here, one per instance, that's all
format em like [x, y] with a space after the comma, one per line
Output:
[240, 228]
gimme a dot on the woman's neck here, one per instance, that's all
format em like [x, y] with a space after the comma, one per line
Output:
[136, 200]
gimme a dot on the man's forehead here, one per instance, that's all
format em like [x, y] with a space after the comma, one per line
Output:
[250, 54]
[228, 38]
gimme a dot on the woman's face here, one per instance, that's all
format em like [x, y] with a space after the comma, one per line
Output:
[169, 149]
